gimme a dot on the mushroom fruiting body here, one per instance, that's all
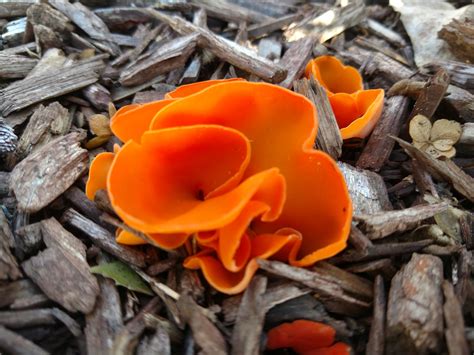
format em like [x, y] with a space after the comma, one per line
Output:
[357, 111]
[232, 164]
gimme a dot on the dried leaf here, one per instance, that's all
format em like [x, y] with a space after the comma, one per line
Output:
[446, 130]
[112, 109]
[99, 125]
[443, 145]
[420, 128]
[97, 142]
[123, 275]
[448, 221]
[87, 53]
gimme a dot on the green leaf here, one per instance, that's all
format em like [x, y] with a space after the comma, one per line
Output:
[123, 275]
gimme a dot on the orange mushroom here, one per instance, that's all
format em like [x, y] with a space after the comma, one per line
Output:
[281, 126]
[336, 349]
[301, 336]
[334, 76]
[356, 110]
[358, 113]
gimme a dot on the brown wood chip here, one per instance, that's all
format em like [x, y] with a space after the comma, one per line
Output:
[48, 172]
[414, 311]
[375, 344]
[14, 344]
[455, 332]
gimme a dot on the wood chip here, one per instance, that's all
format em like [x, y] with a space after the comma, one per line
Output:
[442, 169]
[33, 89]
[14, 344]
[103, 238]
[205, 334]
[47, 173]
[453, 316]
[378, 148]
[375, 344]
[171, 55]
[8, 265]
[329, 137]
[414, 311]
[249, 323]
[367, 190]
[17, 292]
[227, 11]
[330, 293]
[64, 259]
[295, 59]
[14, 66]
[229, 51]
[382, 224]
[458, 34]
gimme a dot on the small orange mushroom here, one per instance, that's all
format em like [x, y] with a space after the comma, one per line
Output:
[336, 349]
[334, 76]
[301, 336]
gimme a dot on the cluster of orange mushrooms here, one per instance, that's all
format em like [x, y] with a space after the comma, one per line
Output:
[229, 166]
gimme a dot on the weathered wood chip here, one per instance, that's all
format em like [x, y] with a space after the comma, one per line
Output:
[414, 311]
[230, 12]
[376, 342]
[330, 293]
[442, 169]
[171, 55]
[382, 224]
[205, 333]
[64, 260]
[378, 148]
[8, 265]
[295, 59]
[14, 344]
[455, 332]
[14, 66]
[249, 323]
[18, 292]
[103, 238]
[48, 172]
[229, 51]
[329, 137]
[367, 190]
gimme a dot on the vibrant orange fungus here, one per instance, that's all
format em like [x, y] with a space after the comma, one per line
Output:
[356, 110]
[306, 337]
[231, 164]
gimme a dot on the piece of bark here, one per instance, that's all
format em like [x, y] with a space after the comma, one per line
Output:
[230, 12]
[381, 250]
[265, 28]
[423, 179]
[378, 148]
[14, 344]
[382, 224]
[461, 74]
[98, 96]
[367, 190]
[359, 240]
[330, 293]
[205, 334]
[48, 172]
[229, 51]
[464, 275]
[15, 8]
[123, 92]
[249, 323]
[29, 240]
[459, 35]
[319, 27]
[122, 17]
[45, 124]
[191, 74]
[170, 56]
[9, 269]
[14, 66]
[270, 48]
[33, 89]
[13, 32]
[103, 323]
[295, 59]
[453, 316]
[380, 46]
[304, 307]
[18, 292]
[442, 169]
[386, 33]
[383, 267]
[36, 317]
[87, 21]
[414, 311]
[144, 97]
[44, 14]
[329, 137]
[274, 295]
[375, 344]
[431, 95]
[157, 343]
[102, 238]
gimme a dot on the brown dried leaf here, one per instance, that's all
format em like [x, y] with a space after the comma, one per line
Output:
[446, 130]
[112, 109]
[97, 142]
[420, 128]
[99, 125]
[87, 53]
